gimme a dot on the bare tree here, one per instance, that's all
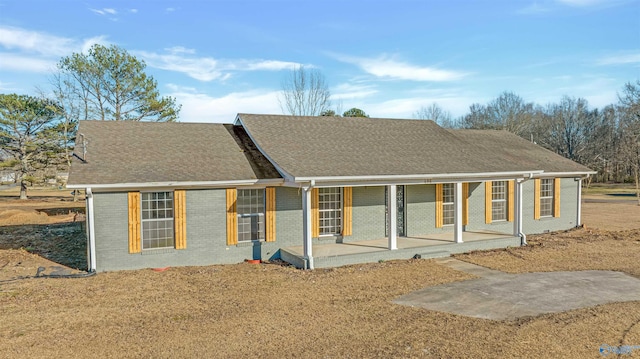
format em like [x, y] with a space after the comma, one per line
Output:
[304, 93]
[630, 130]
[436, 114]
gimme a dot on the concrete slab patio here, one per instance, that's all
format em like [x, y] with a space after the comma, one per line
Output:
[501, 296]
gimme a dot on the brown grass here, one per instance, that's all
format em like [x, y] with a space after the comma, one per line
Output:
[272, 311]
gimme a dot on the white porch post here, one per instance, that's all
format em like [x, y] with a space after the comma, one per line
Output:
[579, 211]
[457, 218]
[307, 248]
[517, 221]
[392, 210]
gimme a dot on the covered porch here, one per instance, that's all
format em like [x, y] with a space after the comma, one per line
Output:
[397, 245]
[423, 246]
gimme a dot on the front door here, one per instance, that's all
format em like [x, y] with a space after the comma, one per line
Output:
[400, 205]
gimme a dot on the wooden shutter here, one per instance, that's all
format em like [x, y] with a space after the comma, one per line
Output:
[556, 197]
[134, 222]
[439, 206]
[536, 198]
[270, 215]
[315, 213]
[347, 211]
[232, 217]
[511, 200]
[180, 218]
[465, 204]
[488, 196]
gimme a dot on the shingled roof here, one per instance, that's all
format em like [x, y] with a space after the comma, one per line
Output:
[306, 147]
[128, 152]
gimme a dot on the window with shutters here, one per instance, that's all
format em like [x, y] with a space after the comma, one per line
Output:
[251, 214]
[546, 197]
[157, 220]
[499, 201]
[330, 210]
[448, 209]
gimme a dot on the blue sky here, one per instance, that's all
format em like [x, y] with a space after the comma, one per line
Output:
[388, 58]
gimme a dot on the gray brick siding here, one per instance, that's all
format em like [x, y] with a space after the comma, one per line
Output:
[206, 224]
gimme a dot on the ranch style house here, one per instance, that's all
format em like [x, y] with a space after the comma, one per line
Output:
[312, 191]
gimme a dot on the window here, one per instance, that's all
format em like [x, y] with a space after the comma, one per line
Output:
[330, 210]
[499, 200]
[157, 220]
[546, 197]
[250, 208]
[448, 210]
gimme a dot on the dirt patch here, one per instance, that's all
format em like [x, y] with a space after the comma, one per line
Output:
[609, 212]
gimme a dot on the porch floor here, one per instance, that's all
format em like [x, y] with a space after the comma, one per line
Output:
[428, 246]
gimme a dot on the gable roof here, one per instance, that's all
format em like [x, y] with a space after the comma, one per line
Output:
[129, 152]
[304, 147]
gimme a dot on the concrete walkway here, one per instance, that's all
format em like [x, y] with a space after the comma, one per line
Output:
[502, 296]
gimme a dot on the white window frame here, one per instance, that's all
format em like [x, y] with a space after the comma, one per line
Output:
[546, 199]
[448, 204]
[255, 216]
[149, 225]
[499, 196]
[324, 214]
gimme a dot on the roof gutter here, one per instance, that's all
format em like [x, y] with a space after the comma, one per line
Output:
[176, 184]
[417, 179]
[583, 174]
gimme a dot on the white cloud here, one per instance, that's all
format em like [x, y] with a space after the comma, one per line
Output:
[388, 67]
[15, 62]
[199, 107]
[133, 11]
[583, 3]
[207, 68]
[620, 59]
[534, 9]
[105, 11]
[34, 51]
[33, 41]
[349, 91]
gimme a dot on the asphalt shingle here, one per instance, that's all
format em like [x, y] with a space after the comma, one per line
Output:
[305, 146]
[144, 152]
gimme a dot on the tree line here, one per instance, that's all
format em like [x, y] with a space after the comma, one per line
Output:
[37, 133]
[606, 140]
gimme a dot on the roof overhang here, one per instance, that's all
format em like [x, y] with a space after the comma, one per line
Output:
[111, 187]
[381, 180]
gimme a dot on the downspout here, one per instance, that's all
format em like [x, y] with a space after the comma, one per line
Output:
[91, 233]
[523, 237]
[579, 195]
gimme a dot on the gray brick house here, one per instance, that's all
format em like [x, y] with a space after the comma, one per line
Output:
[312, 191]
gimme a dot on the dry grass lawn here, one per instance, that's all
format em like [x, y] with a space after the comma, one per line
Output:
[272, 311]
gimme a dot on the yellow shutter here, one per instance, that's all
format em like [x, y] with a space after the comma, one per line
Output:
[488, 195]
[347, 204]
[465, 204]
[511, 200]
[180, 218]
[134, 222]
[270, 215]
[556, 197]
[232, 217]
[439, 205]
[315, 213]
[536, 198]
